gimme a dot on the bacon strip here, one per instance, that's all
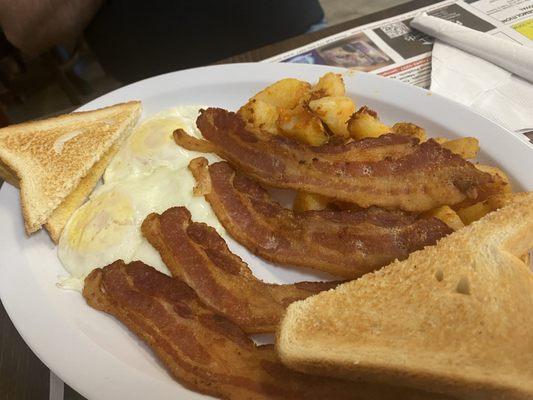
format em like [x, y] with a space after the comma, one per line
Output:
[345, 243]
[390, 146]
[191, 143]
[206, 352]
[391, 171]
[195, 253]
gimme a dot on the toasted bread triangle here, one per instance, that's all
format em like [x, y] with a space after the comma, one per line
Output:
[456, 317]
[57, 221]
[50, 157]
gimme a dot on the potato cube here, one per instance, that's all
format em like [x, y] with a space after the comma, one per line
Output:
[496, 172]
[365, 123]
[466, 147]
[330, 84]
[309, 201]
[479, 210]
[409, 129]
[440, 140]
[260, 116]
[301, 124]
[334, 111]
[285, 93]
[448, 216]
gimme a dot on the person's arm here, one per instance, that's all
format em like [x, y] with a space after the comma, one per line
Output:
[34, 26]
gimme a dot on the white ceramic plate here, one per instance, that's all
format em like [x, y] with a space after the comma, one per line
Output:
[98, 356]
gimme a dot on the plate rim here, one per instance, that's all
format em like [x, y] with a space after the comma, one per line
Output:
[81, 383]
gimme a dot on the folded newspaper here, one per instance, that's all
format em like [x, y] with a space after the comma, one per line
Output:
[393, 49]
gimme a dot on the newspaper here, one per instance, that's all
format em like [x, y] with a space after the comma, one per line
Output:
[391, 48]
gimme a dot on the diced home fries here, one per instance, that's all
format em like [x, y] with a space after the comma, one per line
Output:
[365, 123]
[448, 216]
[286, 93]
[317, 114]
[334, 112]
[261, 115]
[309, 201]
[409, 129]
[466, 147]
[497, 172]
[329, 84]
[301, 124]
[479, 210]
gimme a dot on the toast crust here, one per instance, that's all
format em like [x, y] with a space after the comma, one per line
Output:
[454, 317]
[8, 175]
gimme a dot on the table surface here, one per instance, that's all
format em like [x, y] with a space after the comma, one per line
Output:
[22, 375]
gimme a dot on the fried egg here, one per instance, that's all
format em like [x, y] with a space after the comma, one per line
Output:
[149, 174]
[151, 145]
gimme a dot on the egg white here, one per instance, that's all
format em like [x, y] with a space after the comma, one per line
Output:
[151, 144]
[148, 174]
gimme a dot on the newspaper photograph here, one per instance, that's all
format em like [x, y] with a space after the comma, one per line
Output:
[357, 51]
[392, 48]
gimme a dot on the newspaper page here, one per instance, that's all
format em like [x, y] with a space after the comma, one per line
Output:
[391, 48]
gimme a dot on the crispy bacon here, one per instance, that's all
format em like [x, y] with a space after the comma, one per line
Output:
[195, 253]
[390, 146]
[189, 142]
[345, 243]
[392, 171]
[206, 352]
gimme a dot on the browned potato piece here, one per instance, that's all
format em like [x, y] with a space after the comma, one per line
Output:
[285, 93]
[259, 115]
[309, 201]
[500, 183]
[365, 123]
[495, 171]
[329, 84]
[448, 216]
[474, 212]
[498, 186]
[334, 111]
[466, 147]
[440, 140]
[301, 124]
[409, 129]
[479, 210]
